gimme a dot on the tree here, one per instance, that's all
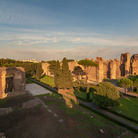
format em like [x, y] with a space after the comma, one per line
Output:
[62, 77]
[135, 81]
[63, 80]
[66, 75]
[78, 71]
[88, 92]
[106, 95]
[39, 71]
[58, 75]
[87, 64]
[125, 83]
[52, 65]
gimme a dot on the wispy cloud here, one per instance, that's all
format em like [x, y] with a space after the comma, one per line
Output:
[14, 13]
[72, 53]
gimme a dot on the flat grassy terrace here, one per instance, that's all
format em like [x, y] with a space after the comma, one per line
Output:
[48, 80]
[57, 120]
[81, 122]
[128, 106]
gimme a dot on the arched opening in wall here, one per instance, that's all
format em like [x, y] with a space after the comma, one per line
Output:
[78, 73]
[9, 83]
[135, 73]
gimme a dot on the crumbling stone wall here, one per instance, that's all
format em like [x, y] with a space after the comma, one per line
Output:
[118, 72]
[112, 69]
[45, 68]
[134, 64]
[9, 84]
[19, 81]
[125, 64]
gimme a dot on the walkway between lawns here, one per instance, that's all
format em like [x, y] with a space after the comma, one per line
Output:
[97, 109]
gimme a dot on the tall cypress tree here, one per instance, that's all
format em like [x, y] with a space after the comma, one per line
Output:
[39, 71]
[66, 75]
[57, 75]
[62, 77]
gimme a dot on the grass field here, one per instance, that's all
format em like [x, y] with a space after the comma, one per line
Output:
[128, 106]
[57, 120]
[82, 94]
[48, 80]
[29, 81]
[80, 119]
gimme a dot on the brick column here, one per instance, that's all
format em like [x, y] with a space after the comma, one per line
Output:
[112, 69]
[100, 71]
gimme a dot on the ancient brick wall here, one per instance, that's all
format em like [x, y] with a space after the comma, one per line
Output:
[112, 69]
[45, 68]
[125, 64]
[92, 73]
[107, 69]
[19, 81]
[134, 64]
[9, 84]
[118, 72]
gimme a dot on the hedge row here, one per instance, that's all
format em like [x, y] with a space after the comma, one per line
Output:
[110, 118]
[122, 115]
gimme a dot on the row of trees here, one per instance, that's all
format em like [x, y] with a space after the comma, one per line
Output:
[31, 69]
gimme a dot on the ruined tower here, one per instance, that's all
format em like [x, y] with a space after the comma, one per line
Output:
[134, 64]
[125, 64]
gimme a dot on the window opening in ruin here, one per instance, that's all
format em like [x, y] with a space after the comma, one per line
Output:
[9, 83]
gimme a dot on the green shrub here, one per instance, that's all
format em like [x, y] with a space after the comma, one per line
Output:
[106, 95]
[91, 89]
[136, 89]
[83, 89]
[104, 101]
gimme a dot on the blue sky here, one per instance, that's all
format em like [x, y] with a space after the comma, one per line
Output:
[76, 29]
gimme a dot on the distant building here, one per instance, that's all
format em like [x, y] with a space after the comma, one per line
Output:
[30, 60]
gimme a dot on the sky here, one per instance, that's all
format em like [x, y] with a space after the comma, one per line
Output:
[75, 29]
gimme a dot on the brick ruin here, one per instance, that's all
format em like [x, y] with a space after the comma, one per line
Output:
[112, 69]
[12, 81]
[134, 64]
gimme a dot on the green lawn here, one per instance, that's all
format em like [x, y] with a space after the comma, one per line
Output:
[48, 80]
[29, 81]
[81, 94]
[128, 107]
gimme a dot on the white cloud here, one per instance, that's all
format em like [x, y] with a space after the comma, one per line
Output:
[72, 53]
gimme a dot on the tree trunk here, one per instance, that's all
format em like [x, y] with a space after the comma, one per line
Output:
[79, 77]
[86, 78]
[132, 88]
[125, 90]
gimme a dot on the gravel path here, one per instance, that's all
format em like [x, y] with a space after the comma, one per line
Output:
[36, 89]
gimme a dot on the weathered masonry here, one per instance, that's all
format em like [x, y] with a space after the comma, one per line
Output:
[112, 69]
[12, 81]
